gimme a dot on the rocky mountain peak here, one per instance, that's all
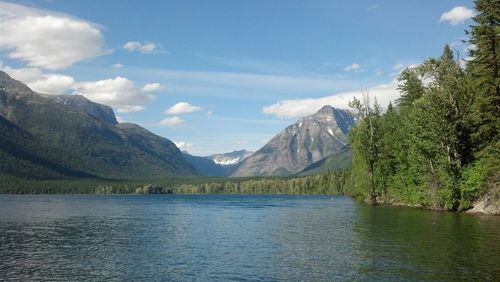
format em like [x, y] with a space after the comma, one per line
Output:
[326, 110]
[10, 85]
[310, 139]
[342, 118]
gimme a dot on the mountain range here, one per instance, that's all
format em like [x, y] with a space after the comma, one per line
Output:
[69, 136]
[218, 164]
[46, 136]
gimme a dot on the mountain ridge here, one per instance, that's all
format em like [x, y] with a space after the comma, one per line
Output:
[299, 145]
[79, 135]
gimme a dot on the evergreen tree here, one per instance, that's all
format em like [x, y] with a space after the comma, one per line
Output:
[484, 72]
[410, 86]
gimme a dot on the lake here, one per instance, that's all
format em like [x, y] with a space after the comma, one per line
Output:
[239, 238]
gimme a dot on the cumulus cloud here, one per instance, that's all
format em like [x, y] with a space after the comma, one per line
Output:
[183, 145]
[39, 81]
[45, 39]
[172, 121]
[182, 108]
[354, 67]
[303, 107]
[150, 87]
[457, 15]
[117, 66]
[120, 93]
[145, 48]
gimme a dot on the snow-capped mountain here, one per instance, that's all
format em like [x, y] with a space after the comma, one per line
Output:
[231, 158]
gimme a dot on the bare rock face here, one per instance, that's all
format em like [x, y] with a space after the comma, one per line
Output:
[80, 103]
[299, 145]
[489, 203]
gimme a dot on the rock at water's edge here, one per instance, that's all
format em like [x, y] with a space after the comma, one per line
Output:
[489, 203]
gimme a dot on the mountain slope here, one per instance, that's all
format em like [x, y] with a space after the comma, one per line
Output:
[205, 166]
[337, 162]
[299, 145]
[76, 134]
[21, 154]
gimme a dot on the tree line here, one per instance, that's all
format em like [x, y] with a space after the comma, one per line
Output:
[438, 146]
[325, 184]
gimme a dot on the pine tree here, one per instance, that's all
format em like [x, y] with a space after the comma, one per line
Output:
[410, 86]
[484, 71]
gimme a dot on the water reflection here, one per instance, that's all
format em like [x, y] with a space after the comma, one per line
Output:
[408, 244]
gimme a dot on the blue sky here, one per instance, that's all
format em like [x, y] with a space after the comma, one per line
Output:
[216, 76]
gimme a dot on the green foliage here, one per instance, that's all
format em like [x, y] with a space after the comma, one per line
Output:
[484, 72]
[421, 153]
[336, 163]
[411, 87]
[365, 138]
[472, 184]
[332, 183]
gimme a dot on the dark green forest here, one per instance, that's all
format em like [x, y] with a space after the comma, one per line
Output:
[330, 183]
[438, 146]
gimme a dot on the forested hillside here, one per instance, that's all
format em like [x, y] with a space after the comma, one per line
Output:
[439, 146]
[58, 137]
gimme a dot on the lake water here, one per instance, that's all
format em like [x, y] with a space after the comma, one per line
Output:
[239, 238]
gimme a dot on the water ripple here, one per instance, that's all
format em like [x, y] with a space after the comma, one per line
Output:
[239, 238]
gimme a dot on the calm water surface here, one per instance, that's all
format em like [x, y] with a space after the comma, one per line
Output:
[239, 238]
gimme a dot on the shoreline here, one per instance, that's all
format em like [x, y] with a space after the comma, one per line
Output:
[475, 210]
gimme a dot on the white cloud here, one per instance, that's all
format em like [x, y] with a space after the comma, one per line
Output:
[202, 81]
[150, 87]
[248, 120]
[172, 121]
[119, 92]
[354, 67]
[379, 72]
[130, 109]
[117, 66]
[39, 81]
[373, 7]
[46, 39]
[457, 15]
[145, 48]
[183, 145]
[303, 107]
[182, 108]
[210, 113]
